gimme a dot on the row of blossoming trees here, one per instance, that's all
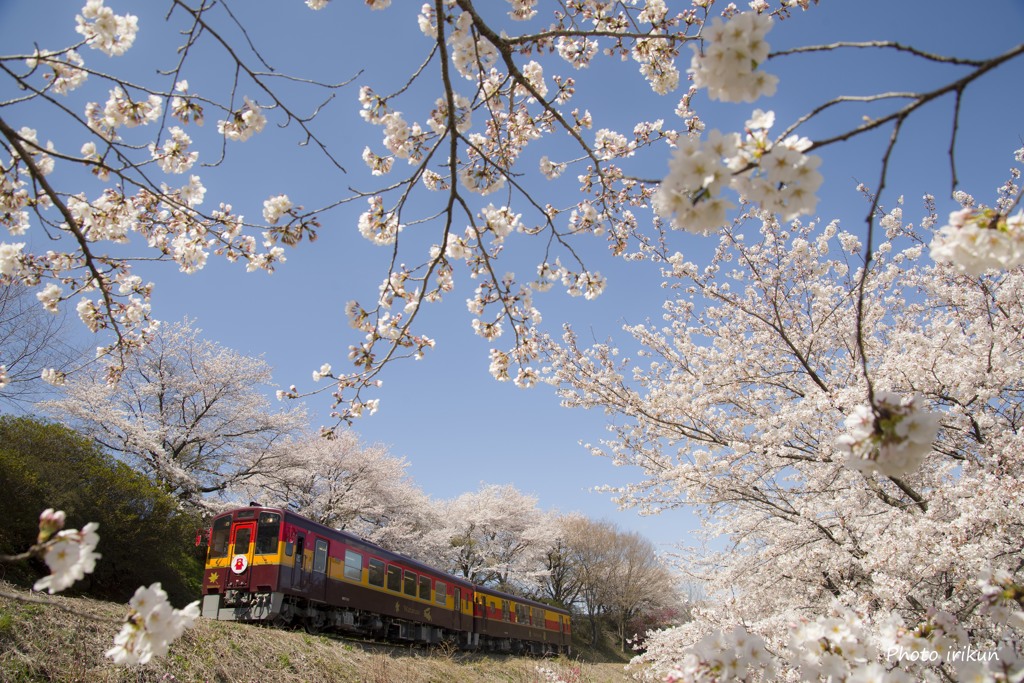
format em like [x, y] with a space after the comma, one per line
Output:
[842, 404]
[195, 419]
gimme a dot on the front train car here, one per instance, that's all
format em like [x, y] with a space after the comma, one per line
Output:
[244, 564]
[271, 565]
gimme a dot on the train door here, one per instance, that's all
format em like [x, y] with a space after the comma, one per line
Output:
[458, 608]
[241, 552]
[300, 572]
[480, 615]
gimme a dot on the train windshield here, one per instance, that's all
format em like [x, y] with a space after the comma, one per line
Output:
[219, 537]
[268, 533]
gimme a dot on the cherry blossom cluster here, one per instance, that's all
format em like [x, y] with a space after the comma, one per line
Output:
[728, 63]
[891, 436]
[1002, 597]
[378, 225]
[174, 156]
[843, 645]
[150, 627]
[778, 177]
[978, 239]
[105, 31]
[839, 647]
[244, 123]
[67, 74]
[70, 554]
[734, 655]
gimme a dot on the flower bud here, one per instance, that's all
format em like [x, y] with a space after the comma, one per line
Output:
[50, 522]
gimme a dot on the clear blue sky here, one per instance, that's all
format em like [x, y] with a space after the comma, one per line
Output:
[455, 425]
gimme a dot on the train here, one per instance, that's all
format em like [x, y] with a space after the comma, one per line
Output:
[271, 565]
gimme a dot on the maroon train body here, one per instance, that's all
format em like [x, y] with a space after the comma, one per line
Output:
[272, 565]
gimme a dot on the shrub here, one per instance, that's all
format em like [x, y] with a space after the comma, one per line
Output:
[144, 536]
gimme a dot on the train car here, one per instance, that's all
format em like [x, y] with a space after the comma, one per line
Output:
[271, 565]
[508, 623]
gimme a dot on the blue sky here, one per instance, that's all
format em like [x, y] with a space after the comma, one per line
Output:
[455, 425]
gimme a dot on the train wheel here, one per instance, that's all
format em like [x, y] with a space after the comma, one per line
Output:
[313, 624]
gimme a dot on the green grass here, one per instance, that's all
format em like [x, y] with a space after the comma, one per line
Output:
[47, 643]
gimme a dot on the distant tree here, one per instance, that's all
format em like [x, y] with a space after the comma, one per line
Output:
[189, 413]
[145, 537]
[498, 536]
[614, 576]
[342, 483]
[31, 340]
[637, 582]
[560, 582]
[592, 553]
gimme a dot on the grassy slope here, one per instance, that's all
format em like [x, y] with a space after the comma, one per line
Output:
[46, 643]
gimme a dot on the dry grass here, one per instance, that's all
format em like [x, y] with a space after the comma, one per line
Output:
[48, 643]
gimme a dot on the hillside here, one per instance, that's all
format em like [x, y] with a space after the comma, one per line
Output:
[49, 643]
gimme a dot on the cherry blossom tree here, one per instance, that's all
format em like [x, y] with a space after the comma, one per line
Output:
[639, 581]
[188, 412]
[591, 548]
[738, 403]
[344, 484]
[498, 536]
[561, 580]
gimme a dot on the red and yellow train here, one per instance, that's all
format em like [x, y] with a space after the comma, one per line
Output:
[272, 565]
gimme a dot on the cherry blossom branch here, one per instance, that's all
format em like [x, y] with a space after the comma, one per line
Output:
[919, 100]
[256, 77]
[17, 143]
[884, 44]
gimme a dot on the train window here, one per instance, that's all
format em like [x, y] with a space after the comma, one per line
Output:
[320, 556]
[376, 574]
[394, 578]
[219, 538]
[504, 610]
[424, 588]
[268, 533]
[440, 593]
[410, 583]
[353, 565]
[458, 599]
[242, 537]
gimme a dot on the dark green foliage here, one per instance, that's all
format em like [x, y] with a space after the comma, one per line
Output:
[144, 537]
